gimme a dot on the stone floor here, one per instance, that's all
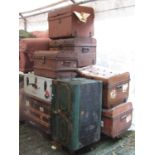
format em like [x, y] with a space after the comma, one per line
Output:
[33, 142]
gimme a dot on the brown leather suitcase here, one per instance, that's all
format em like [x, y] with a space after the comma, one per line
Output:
[71, 21]
[117, 121]
[115, 85]
[84, 48]
[55, 64]
[27, 47]
[38, 113]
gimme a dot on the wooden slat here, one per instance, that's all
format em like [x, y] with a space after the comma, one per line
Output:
[29, 115]
[38, 112]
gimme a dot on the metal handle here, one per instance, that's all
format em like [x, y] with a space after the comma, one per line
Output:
[85, 50]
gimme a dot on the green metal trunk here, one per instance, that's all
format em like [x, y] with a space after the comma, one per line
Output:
[76, 113]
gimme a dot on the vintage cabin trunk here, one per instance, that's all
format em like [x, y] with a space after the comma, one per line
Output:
[55, 64]
[84, 48]
[27, 47]
[71, 21]
[115, 85]
[38, 113]
[76, 113]
[117, 120]
[38, 86]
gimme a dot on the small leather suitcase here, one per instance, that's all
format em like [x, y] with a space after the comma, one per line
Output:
[38, 113]
[38, 86]
[84, 48]
[55, 64]
[117, 121]
[27, 47]
[71, 21]
[115, 85]
[76, 112]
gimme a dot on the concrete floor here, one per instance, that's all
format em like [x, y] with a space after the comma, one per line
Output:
[33, 142]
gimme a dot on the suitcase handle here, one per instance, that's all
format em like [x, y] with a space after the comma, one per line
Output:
[34, 85]
[67, 63]
[119, 87]
[85, 50]
[123, 117]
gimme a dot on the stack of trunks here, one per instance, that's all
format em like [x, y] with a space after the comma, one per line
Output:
[71, 45]
[116, 111]
[66, 96]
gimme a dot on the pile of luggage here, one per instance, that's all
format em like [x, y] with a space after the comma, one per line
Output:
[67, 95]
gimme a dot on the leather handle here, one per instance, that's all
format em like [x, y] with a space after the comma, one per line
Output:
[123, 117]
[119, 86]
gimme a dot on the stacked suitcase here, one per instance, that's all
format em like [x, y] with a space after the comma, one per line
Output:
[30, 111]
[65, 97]
[56, 101]
[117, 112]
[27, 47]
[37, 105]
[76, 113]
[71, 46]
[75, 116]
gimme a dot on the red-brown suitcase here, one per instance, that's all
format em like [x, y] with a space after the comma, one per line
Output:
[84, 48]
[71, 21]
[115, 85]
[27, 47]
[38, 113]
[117, 121]
[55, 64]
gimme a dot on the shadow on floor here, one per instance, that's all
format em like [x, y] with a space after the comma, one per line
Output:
[33, 142]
